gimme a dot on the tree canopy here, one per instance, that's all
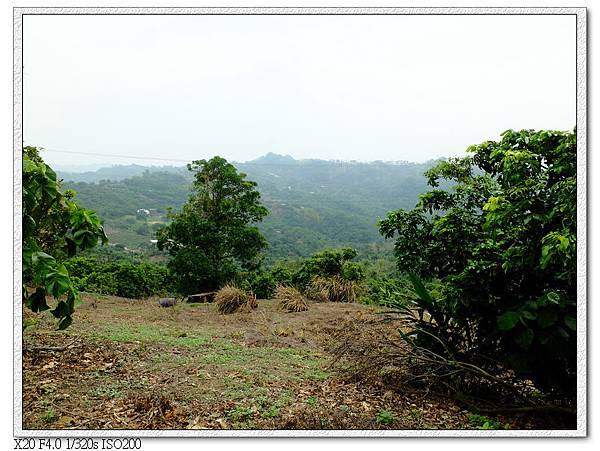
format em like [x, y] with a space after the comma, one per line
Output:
[213, 236]
[502, 241]
[54, 228]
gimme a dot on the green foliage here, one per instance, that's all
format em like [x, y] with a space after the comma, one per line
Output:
[385, 417]
[329, 263]
[386, 291]
[313, 204]
[54, 228]
[213, 237]
[119, 278]
[264, 283]
[502, 241]
[483, 422]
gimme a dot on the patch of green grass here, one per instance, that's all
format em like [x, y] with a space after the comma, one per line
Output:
[316, 374]
[49, 416]
[125, 332]
[483, 422]
[311, 401]
[239, 389]
[268, 410]
[105, 392]
[240, 413]
[291, 362]
[242, 417]
[385, 417]
[271, 412]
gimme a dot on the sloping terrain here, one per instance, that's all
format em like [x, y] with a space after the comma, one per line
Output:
[314, 204]
[129, 364]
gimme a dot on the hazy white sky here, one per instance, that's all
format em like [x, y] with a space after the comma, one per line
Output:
[331, 87]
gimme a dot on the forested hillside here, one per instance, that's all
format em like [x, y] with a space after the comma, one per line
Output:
[313, 204]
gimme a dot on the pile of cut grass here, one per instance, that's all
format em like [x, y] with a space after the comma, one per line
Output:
[290, 299]
[231, 299]
[334, 289]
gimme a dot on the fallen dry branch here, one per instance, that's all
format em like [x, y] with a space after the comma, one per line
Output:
[51, 348]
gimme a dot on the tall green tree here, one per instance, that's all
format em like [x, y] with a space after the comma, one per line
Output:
[502, 241]
[213, 236]
[54, 228]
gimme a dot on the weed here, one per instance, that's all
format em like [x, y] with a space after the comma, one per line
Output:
[241, 413]
[483, 422]
[316, 374]
[49, 416]
[271, 412]
[105, 392]
[385, 417]
[311, 401]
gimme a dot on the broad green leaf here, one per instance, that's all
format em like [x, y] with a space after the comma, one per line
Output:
[36, 302]
[571, 322]
[507, 320]
[546, 317]
[29, 166]
[420, 289]
[65, 322]
[519, 362]
[528, 315]
[57, 283]
[61, 310]
[553, 297]
[524, 338]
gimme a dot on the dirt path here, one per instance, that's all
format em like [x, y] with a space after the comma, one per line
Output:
[134, 365]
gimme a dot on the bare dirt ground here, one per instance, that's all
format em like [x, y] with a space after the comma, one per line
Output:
[130, 364]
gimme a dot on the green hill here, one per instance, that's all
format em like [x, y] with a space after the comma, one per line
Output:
[313, 203]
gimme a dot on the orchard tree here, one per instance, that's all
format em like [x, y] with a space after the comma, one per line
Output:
[54, 228]
[502, 242]
[213, 237]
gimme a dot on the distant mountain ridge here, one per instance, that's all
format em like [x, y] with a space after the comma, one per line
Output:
[313, 203]
[273, 158]
[113, 173]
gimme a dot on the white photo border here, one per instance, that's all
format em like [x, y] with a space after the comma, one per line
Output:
[581, 122]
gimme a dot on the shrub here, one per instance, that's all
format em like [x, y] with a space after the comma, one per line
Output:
[502, 243]
[386, 292]
[230, 299]
[263, 283]
[290, 299]
[120, 278]
[54, 228]
[328, 263]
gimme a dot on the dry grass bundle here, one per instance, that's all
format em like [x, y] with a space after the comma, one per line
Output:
[230, 299]
[252, 302]
[290, 299]
[316, 293]
[334, 289]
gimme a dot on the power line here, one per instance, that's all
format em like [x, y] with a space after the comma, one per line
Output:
[114, 155]
[304, 162]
